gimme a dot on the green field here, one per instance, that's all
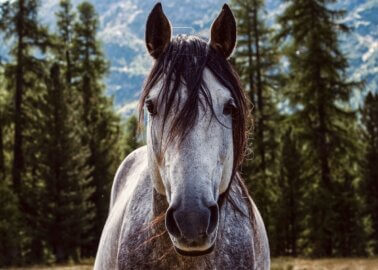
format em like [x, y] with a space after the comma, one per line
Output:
[277, 264]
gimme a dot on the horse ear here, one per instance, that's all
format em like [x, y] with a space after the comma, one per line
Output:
[158, 31]
[223, 32]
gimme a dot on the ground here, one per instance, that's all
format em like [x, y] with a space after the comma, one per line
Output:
[325, 264]
[277, 264]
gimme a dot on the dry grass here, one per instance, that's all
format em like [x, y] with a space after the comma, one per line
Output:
[325, 264]
[85, 265]
[76, 267]
[277, 264]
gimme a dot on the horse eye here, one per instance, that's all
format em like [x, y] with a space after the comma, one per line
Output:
[150, 107]
[229, 108]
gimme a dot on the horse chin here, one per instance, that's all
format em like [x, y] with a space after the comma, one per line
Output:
[185, 249]
[194, 253]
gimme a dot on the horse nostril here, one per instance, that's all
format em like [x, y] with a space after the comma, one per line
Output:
[194, 223]
[170, 223]
[214, 211]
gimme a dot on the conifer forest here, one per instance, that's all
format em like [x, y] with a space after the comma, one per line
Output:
[312, 164]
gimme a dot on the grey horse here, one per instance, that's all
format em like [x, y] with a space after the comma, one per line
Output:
[180, 202]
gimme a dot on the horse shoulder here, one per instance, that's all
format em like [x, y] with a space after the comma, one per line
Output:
[128, 166]
[129, 175]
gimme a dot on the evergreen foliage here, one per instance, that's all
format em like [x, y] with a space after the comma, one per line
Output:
[19, 22]
[67, 213]
[59, 135]
[9, 212]
[9, 226]
[132, 139]
[4, 123]
[256, 60]
[370, 161]
[289, 207]
[102, 125]
[65, 23]
[319, 93]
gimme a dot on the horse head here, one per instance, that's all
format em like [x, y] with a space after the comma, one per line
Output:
[196, 126]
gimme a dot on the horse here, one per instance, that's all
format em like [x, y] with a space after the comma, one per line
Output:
[179, 202]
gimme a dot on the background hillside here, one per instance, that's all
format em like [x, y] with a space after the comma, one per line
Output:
[122, 32]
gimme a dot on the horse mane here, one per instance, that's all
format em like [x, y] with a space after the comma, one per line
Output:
[183, 62]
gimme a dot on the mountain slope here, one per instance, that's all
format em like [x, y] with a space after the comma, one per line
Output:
[123, 25]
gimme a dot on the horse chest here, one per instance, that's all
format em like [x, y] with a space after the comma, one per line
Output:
[134, 238]
[156, 252]
[149, 247]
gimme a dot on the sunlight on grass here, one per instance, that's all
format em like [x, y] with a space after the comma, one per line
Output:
[325, 264]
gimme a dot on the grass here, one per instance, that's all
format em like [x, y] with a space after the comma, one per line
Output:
[74, 267]
[325, 264]
[277, 264]
[86, 264]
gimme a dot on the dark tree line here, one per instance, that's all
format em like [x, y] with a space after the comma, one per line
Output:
[60, 138]
[312, 171]
[256, 60]
[369, 164]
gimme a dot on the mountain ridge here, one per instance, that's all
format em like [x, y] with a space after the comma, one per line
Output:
[122, 25]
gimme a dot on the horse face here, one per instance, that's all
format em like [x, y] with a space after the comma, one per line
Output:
[194, 170]
[192, 173]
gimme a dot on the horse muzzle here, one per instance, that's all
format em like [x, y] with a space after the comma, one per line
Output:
[193, 229]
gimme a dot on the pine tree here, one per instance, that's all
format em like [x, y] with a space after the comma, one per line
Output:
[67, 212]
[66, 136]
[350, 237]
[132, 140]
[256, 60]
[289, 206]
[9, 214]
[65, 22]
[32, 192]
[19, 22]
[319, 93]
[101, 123]
[370, 161]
